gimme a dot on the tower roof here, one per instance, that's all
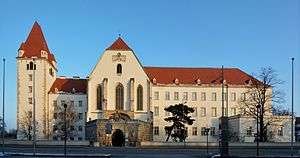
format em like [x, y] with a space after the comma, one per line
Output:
[119, 44]
[35, 43]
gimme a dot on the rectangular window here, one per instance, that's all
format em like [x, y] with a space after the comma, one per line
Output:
[249, 131]
[156, 111]
[79, 128]
[214, 96]
[203, 96]
[156, 130]
[194, 114]
[194, 131]
[203, 131]
[167, 95]
[176, 96]
[30, 89]
[185, 96]
[233, 111]
[243, 96]
[80, 116]
[80, 103]
[212, 131]
[79, 138]
[194, 96]
[62, 102]
[156, 95]
[72, 103]
[214, 111]
[233, 96]
[30, 77]
[203, 111]
[30, 100]
[280, 131]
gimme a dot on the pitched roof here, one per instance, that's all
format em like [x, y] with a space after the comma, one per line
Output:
[167, 75]
[119, 44]
[34, 43]
[67, 84]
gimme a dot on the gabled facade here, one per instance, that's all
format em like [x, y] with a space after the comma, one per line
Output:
[118, 82]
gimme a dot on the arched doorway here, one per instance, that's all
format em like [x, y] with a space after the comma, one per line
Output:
[118, 138]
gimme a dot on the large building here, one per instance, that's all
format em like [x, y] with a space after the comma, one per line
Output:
[122, 95]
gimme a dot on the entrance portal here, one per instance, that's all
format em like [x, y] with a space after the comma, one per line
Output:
[118, 138]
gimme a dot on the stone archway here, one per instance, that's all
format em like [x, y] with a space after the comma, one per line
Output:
[118, 138]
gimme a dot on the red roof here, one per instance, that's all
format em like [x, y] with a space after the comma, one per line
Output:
[119, 44]
[167, 75]
[34, 43]
[67, 85]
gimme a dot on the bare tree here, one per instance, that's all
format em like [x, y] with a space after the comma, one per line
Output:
[59, 121]
[26, 124]
[257, 101]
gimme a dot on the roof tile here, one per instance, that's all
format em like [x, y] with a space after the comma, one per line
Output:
[34, 43]
[167, 75]
[67, 85]
[119, 44]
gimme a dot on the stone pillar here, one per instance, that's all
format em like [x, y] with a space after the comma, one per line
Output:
[148, 101]
[131, 106]
[105, 81]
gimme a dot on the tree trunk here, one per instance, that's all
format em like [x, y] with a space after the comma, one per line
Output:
[261, 129]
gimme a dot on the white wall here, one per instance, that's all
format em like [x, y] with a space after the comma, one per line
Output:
[43, 82]
[107, 68]
[206, 121]
[67, 97]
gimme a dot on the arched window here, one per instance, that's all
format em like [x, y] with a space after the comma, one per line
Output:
[31, 65]
[99, 97]
[119, 69]
[119, 97]
[139, 98]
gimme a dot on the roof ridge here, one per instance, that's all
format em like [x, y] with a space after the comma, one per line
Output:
[119, 44]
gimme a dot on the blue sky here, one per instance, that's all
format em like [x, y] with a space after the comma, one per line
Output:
[247, 34]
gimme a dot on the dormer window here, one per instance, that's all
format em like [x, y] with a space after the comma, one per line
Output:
[44, 54]
[119, 69]
[21, 52]
[154, 80]
[176, 81]
[73, 90]
[198, 81]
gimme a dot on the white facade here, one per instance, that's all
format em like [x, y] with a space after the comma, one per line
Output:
[42, 80]
[243, 128]
[113, 86]
[79, 102]
[132, 76]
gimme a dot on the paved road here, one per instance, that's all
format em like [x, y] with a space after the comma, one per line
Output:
[154, 152]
